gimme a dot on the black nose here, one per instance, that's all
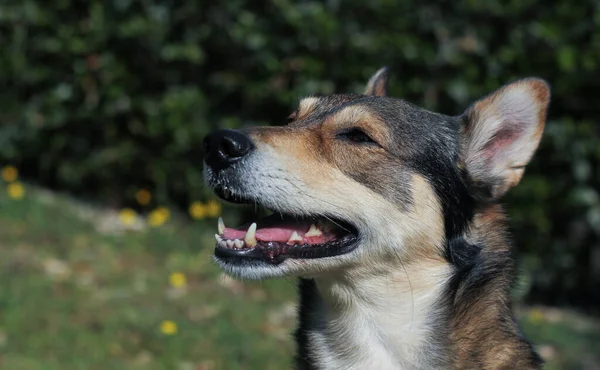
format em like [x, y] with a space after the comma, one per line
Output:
[225, 147]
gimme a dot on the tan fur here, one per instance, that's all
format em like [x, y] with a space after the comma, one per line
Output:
[427, 209]
[477, 346]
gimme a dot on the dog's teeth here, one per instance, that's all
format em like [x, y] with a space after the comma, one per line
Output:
[221, 226]
[223, 243]
[238, 244]
[294, 238]
[218, 237]
[313, 231]
[250, 237]
[230, 243]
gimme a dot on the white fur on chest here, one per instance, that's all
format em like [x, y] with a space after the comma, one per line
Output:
[379, 322]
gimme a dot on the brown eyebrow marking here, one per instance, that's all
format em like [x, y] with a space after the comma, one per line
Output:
[351, 115]
[361, 117]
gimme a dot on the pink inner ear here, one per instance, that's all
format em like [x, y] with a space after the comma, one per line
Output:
[502, 139]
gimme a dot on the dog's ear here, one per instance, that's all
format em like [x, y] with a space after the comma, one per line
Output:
[378, 83]
[501, 132]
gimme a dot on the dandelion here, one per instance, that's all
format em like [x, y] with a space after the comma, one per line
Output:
[127, 216]
[9, 173]
[168, 327]
[177, 280]
[213, 208]
[16, 191]
[197, 210]
[143, 197]
[115, 349]
[159, 216]
[536, 316]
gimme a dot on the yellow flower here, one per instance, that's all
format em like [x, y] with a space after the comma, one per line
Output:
[197, 210]
[177, 279]
[16, 190]
[213, 208]
[159, 216]
[168, 327]
[9, 173]
[127, 216]
[143, 197]
[536, 316]
[115, 349]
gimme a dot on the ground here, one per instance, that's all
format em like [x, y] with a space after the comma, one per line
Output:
[80, 292]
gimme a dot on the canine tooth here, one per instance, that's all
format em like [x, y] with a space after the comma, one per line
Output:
[295, 238]
[313, 231]
[218, 237]
[230, 243]
[221, 226]
[238, 244]
[250, 237]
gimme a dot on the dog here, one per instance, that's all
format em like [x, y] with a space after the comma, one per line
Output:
[389, 216]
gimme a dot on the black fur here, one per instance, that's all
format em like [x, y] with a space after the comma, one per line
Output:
[310, 300]
[476, 276]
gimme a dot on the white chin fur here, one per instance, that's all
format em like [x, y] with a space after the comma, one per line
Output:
[251, 271]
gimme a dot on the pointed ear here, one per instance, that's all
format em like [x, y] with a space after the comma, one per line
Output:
[377, 84]
[500, 134]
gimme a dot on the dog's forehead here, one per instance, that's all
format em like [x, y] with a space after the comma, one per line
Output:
[403, 119]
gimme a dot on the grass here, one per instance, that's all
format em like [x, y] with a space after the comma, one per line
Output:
[73, 297]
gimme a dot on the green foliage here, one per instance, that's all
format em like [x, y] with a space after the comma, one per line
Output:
[103, 97]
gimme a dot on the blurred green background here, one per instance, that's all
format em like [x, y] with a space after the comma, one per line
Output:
[105, 238]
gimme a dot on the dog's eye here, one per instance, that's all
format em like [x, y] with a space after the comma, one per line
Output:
[356, 135]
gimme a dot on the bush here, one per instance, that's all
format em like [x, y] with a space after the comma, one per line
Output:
[104, 97]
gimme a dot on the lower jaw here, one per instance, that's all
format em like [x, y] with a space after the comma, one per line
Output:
[275, 253]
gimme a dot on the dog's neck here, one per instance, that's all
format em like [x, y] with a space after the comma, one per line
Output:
[386, 318]
[432, 313]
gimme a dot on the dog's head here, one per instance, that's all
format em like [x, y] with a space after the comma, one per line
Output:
[368, 179]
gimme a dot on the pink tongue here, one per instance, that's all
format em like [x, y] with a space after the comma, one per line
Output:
[267, 234]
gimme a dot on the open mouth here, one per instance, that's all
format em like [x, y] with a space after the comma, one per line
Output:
[280, 236]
